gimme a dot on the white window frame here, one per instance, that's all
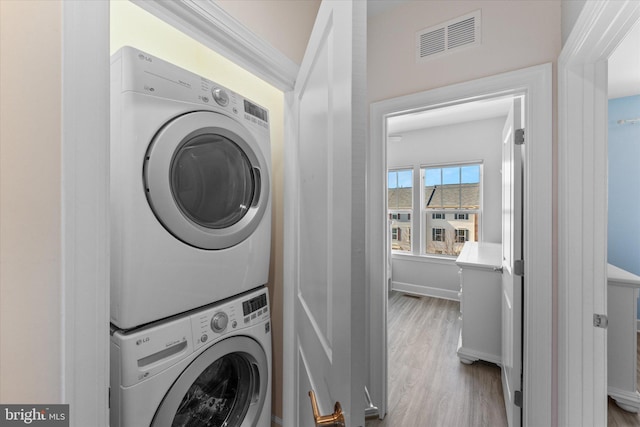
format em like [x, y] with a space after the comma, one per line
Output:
[425, 212]
[397, 212]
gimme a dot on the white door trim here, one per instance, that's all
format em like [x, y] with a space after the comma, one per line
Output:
[211, 25]
[582, 208]
[85, 211]
[536, 82]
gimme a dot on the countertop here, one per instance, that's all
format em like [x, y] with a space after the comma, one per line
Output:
[480, 255]
[622, 277]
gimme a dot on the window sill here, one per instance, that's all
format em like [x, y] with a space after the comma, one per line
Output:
[430, 259]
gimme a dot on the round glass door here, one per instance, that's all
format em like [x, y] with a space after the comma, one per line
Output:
[223, 387]
[206, 180]
[212, 181]
[220, 396]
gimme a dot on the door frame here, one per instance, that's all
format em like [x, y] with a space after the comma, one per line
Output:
[85, 212]
[582, 208]
[536, 83]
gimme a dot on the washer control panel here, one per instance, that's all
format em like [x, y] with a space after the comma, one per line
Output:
[224, 318]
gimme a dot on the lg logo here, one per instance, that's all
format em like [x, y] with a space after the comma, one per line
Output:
[142, 340]
[144, 57]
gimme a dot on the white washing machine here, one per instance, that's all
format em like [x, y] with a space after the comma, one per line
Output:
[190, 190]
[210, 367]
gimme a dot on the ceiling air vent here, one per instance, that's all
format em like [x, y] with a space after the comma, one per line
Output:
[448, 37]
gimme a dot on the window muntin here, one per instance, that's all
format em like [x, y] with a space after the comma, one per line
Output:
[450, 207]
[400, 205]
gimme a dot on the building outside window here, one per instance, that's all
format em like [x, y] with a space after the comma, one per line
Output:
[462, 235]
[400, 205]
[451, 207]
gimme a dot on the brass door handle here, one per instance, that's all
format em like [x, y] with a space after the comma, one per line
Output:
[336, 419]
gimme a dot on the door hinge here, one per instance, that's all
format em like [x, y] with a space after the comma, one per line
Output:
[517, 398]
[600, 321]
[518, 267]
[519, 137]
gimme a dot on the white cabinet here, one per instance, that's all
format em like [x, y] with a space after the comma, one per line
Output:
[480, 308]
[622, 294]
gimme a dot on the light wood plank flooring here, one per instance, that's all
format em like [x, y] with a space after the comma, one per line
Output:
[428, 386]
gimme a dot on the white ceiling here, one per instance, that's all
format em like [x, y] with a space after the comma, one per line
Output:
[624, 66]
[459, 113]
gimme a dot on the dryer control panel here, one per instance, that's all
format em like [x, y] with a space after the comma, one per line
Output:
[144, 73]
[228, 317]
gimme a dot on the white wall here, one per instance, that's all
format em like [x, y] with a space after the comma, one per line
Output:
[30, 201]
[570, 11]
[515, 35]
[272, 20]
[471, 141]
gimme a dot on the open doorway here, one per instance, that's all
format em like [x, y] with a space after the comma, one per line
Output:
[623, 237]
[534, 83]
[444, 192]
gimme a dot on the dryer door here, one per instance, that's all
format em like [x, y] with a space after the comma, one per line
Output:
[207, 180]
[225, 386]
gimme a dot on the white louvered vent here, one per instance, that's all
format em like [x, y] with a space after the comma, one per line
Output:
[449, 36]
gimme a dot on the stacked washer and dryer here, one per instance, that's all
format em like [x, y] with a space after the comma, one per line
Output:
[190, 239]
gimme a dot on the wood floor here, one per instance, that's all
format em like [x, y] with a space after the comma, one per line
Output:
[428, 386]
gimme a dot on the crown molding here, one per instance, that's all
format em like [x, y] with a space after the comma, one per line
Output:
[212, 26]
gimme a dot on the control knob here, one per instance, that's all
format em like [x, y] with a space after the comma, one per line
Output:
[220, 96]
[219, 322]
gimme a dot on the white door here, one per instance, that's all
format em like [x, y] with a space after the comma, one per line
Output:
[512, 280]
[325, 189]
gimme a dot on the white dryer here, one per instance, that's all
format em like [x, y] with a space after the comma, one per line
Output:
[190, 190]
[210, 367]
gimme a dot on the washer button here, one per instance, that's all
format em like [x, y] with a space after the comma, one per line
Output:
[204, 338]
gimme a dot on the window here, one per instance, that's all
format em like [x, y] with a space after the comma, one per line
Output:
[400, 203]
[396, 233]
[462, 235]
[446, 190]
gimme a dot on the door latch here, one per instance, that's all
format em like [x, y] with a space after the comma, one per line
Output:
[334, 420]
[600, 321]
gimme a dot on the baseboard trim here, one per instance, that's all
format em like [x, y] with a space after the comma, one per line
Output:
[275, 420]
[425, 291]
[629, 401]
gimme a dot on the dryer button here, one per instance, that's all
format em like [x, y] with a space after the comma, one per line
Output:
[204, 338]
[220, 96]
[219, 322]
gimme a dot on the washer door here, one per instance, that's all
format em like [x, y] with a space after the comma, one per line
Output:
[225, 386]
[206, 180]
